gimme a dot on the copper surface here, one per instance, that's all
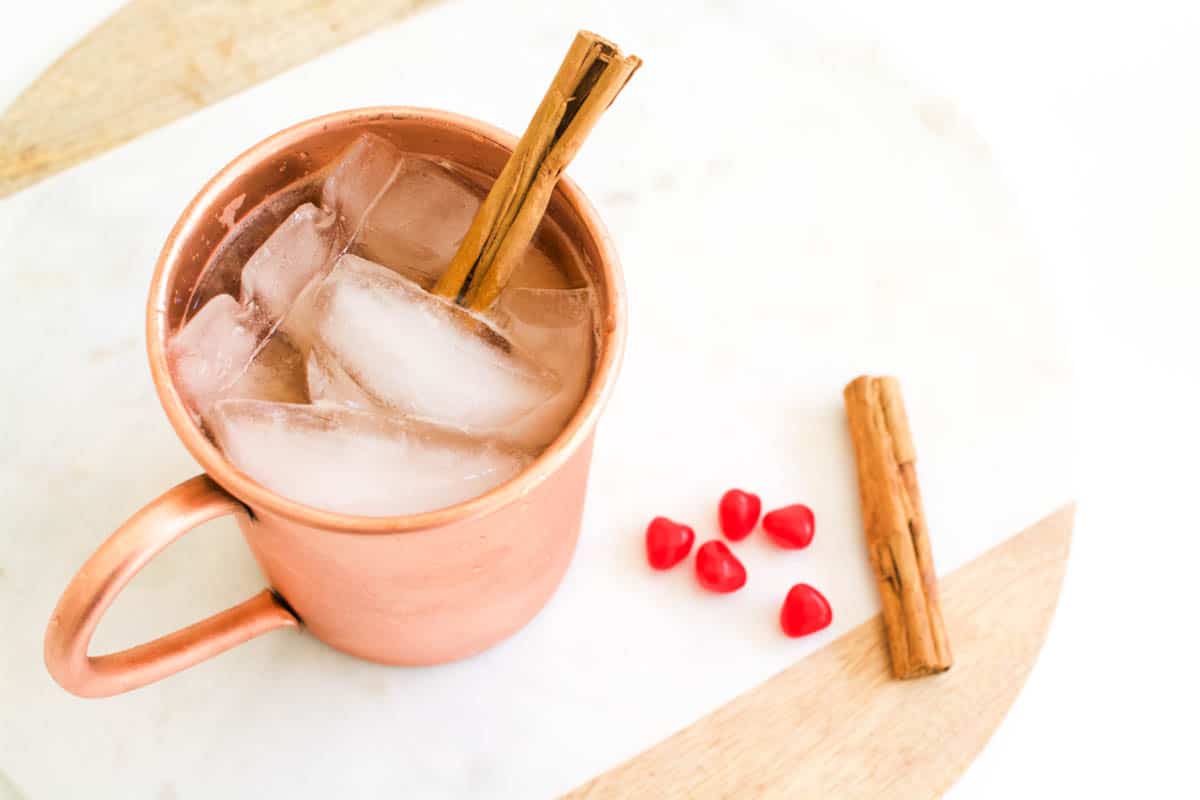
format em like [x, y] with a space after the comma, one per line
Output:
[419, 589]
[101, 579]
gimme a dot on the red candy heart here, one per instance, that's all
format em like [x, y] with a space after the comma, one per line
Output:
[739, 512]
[805, 611]
[667, 542]
[791, 527]
[718, 569]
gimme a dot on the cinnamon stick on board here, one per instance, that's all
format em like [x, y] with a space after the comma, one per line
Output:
[591, 75]
[894, 518]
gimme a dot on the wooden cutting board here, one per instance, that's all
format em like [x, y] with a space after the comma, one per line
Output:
[155, 61]
[837, 725]
[834, 724]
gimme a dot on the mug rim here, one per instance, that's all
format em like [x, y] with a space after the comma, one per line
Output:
[253, 494]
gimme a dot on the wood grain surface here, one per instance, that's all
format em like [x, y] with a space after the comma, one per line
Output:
[836, 725]
[157, 60]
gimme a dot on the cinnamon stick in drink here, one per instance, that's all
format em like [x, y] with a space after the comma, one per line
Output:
[897, 536]
[591, 75]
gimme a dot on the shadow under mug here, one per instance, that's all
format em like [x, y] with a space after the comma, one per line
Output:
[419, 589]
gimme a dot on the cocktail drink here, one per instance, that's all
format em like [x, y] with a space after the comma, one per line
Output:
[361, 336]
[316, 358]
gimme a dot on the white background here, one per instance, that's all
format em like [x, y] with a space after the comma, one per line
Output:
[1092, 116]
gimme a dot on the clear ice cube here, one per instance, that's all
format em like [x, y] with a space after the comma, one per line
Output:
[276, 373]
[302, 248]
[407, 213]
[537, 270]
[222, 352]
[329, 384]
[556, 328]
[422, 355]
[357, 462]
[365, 169]
[209, 354]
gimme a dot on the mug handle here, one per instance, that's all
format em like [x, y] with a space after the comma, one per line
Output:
[114, 563]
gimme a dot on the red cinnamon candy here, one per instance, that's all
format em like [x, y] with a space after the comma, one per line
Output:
[790, 527]
[718, 569]
[805, 611]
[667, 542]
[738, 513]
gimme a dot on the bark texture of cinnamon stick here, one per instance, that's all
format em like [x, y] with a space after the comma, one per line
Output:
[591, 75]
[897, 536]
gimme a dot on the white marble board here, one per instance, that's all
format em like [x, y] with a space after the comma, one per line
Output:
[790, 212]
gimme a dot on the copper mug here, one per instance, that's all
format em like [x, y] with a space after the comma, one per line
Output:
[419, 589]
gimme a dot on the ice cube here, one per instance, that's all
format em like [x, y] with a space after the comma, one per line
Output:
[407, 213]
[329, 384]
[419, 222]
[555, 326]
[223, 352]
[537, 270]
[365, 169]
[358, 462]
[422, 355]
[302, 248]
[276, 373]
[211, 351]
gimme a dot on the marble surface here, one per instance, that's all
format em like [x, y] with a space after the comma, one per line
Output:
[791, 209]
